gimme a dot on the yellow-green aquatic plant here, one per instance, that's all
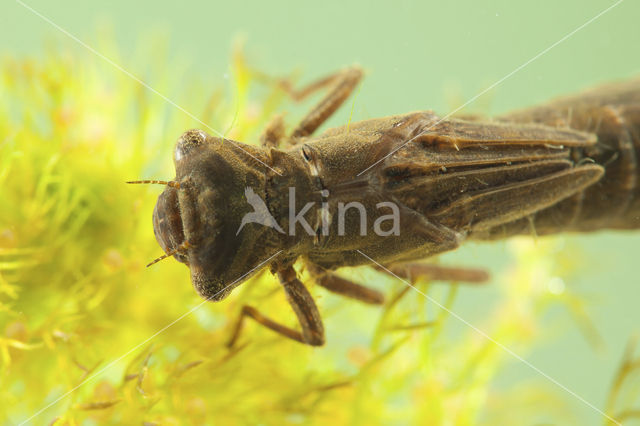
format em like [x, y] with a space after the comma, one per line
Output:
[91, 335]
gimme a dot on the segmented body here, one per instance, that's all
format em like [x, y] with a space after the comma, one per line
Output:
[569, 165]
[612, 113]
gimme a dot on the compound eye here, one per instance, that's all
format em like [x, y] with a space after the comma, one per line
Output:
[167, 221]
[189, 140]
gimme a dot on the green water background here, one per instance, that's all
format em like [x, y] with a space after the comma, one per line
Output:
[418, 55]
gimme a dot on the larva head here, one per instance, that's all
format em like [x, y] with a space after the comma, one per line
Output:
[196, 218]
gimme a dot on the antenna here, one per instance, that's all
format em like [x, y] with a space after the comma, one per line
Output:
[171, 183]
[182, 247]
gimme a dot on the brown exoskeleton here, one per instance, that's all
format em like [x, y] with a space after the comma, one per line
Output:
[423, 184]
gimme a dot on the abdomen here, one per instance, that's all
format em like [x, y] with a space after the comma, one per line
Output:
[612, 112]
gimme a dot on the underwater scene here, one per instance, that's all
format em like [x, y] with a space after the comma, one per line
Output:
[244, 320]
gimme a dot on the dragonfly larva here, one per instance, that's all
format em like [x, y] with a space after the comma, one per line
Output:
[425, 184]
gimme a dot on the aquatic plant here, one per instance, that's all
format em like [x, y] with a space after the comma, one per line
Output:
[92, 336]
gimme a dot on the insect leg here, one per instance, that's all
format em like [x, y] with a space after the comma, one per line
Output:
[303, 306]
[339, 285]
[274, 132]
[415, 270]
[342, 83]
[411, 272]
